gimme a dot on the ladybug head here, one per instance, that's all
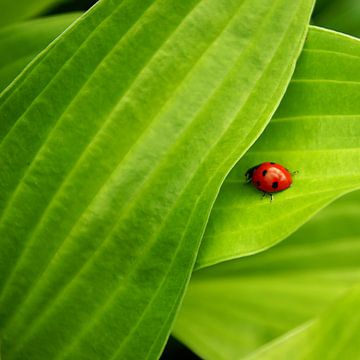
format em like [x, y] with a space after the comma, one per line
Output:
[249, 173]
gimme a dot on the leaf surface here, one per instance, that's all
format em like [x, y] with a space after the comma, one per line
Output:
[232, 309]
[20, 43]
[315, 131]
[340, 15]
[334, 335]
[15, 11]
[114, 144]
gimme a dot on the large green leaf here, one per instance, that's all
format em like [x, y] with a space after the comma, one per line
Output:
[316, 131]
[13, 11]
[335, 335]
[20, 43]
[114, 146]
[234, 308]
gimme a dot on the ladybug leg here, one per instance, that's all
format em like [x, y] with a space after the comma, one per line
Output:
[266, 193]
[295, 173]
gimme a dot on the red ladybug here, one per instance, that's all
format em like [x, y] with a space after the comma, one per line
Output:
[269, 178]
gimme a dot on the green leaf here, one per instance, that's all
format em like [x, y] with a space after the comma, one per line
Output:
[289, 346]
[232, 309]
[15, 11]
[335, 335]
[20, 43]
[114, 145]
[340, 15]
[316, 130]
[319, 6]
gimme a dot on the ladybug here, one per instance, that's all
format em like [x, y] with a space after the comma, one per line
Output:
[269, 177]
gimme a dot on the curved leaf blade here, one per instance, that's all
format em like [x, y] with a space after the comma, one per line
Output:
[132, 208]
[232, 309]
[316, 130]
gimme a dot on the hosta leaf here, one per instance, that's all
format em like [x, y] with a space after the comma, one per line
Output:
[14, 11]
[114, 146]
[233, 308]
[340, 15]
[319, 6]
[20, 43]
[316, 130]
[335, 335]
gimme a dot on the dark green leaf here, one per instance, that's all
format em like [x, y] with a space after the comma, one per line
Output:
[14, 11]
[20, 43]
[340, 15]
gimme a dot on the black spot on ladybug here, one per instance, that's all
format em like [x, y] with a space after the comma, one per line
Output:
[275, 184]
[264, 172]
[258, 183]
[272, 163]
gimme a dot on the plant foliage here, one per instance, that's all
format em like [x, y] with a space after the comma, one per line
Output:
[116, 137]
[276, 299]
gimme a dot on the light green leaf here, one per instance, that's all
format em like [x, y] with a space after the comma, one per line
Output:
[288, 346]
[114, 146]
[233, 308]
[14, 11]
[20, 43]
[335, 335]
[316, 130]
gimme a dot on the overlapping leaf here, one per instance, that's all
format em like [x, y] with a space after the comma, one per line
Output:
[340, 15]
[20, 43]
[14, 11]
[316, 131]
[334, 335]
[113, 147]
[234, 308]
